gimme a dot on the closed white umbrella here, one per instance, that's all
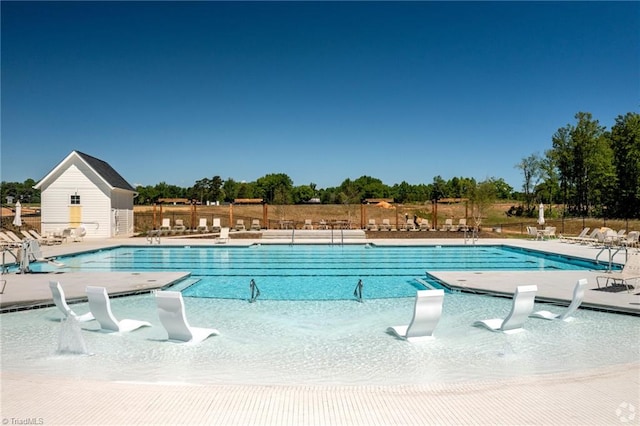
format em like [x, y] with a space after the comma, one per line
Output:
[541, 214]
[17, 220]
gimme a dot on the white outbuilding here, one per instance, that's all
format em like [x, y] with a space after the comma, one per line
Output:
[84, 191]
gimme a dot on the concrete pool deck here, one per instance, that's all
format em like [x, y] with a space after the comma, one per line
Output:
[608, 395]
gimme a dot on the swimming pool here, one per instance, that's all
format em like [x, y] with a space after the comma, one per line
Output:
[319, 343]
[314, 272]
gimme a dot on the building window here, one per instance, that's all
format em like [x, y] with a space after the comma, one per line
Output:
[75, 200]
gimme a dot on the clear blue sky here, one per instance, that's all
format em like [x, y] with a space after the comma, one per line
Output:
[174, 92]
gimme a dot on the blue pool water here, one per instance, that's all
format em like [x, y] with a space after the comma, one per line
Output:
[314, 272]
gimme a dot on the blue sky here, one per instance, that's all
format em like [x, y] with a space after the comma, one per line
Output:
[174, 92]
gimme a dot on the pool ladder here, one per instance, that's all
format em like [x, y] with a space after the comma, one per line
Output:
[612, 255]
[255, 291]
[357, 293]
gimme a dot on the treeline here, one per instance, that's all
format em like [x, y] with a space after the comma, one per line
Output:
[590, 170]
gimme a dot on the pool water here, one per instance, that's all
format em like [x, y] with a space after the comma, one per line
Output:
[319, 343]
[314, 272]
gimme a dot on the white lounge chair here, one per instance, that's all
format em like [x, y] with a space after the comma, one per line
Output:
[202, 225]
[424, 225]
[448, 225]
[240, 225]
[386, 225]
[61, 302]
[578, 295]
[308, 224]
[371, 226]
[101, 309]
[521, 308]
[255, 225]
[224, 236]
[462, 225]
[216, 225]
[426, 315]
[570, 239]
[179, 226]
[166, 225]
[630, 272]
[173, 318]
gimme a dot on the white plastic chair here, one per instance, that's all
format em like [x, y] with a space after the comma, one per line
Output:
[578, 295]
[521, 308]
[101, 310]
[61, 302]
[426, 315]
[173, 318]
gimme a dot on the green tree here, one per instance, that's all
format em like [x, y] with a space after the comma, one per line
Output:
[625, 142]
[531, 172]
[275, 188]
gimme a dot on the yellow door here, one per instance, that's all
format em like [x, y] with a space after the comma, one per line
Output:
[75, 216]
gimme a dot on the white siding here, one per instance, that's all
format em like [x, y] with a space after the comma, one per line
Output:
[96, 205]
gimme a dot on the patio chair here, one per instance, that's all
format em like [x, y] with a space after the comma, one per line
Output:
[60, 301]
[570, 239]
[448, 225]
[427, 310]
[371, 226]
[179, 226]
[166, 225]
[424, 225]
[462, 224]
[215, 227]
[532, 231]
[630, 272]
[549, 232]
[631, 239]
[202, 225]
[521, 308]
[255, 225]
[101, 309]
[174, 320]
[308, 224]
[240, 225]
[386, 225]
[578, 295]
[224, 236]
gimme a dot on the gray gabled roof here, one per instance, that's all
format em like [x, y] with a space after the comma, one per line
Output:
[107, 172]
[101, 168]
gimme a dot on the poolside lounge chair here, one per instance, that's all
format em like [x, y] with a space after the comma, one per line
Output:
[224, 236]
[386, 225]
[630, 272]
[78, 233]
[570, 239]
[448, 225]
[426, 315]
[631, 239]
[549, 232]
[44, 240]
[216, 225]
[173, 318]
[12, 235]
[61, 302]
[424, 225]
[255, 225]
[202, 225]
[323, 224]
[521, 308]
[179, 226]
[371, 226]
[101, 309]
[240, 225]
[308, 224]
[462, 225]
[166, 225]
[578, 295]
